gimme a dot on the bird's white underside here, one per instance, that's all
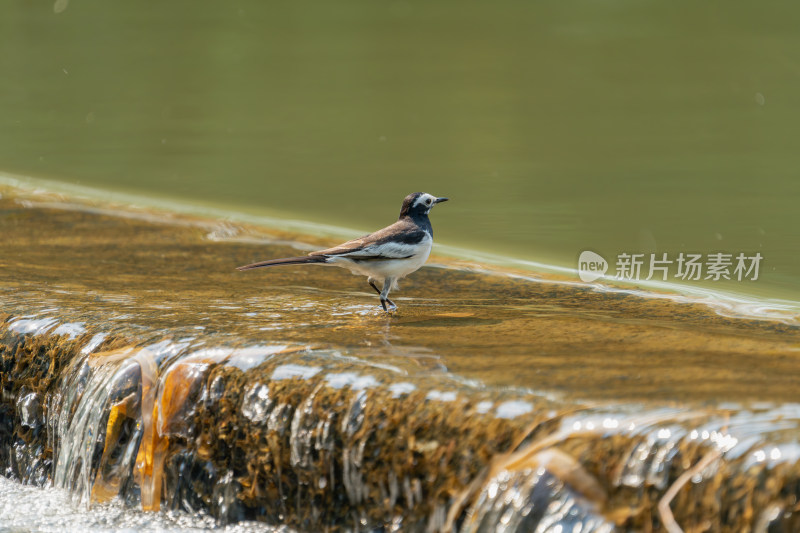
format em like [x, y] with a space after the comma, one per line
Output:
[381, 269]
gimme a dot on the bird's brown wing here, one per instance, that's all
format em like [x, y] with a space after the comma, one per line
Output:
[381, 244]
[346, 247]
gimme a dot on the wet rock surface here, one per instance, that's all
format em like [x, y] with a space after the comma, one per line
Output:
[136, 363]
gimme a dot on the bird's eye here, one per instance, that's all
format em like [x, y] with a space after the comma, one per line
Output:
[428, 201]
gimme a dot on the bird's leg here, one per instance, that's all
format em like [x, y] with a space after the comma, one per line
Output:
[387, 286]
[372, 284]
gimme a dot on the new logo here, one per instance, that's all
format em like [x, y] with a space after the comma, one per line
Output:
[591, 266]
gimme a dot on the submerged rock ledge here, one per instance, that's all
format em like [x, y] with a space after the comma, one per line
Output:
[315, 439]
[136, 364]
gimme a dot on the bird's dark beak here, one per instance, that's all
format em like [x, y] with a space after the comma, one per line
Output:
[440, 200]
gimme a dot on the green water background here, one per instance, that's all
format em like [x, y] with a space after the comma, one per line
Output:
[619, 126]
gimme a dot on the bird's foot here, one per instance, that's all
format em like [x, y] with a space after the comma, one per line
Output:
[391, 308]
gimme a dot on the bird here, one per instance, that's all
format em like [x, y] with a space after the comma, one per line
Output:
[384, 256]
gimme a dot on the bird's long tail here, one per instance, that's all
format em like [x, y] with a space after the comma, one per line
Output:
[286, 261]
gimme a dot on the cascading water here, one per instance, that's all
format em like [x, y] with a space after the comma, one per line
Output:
[313, 439]
[79, 430]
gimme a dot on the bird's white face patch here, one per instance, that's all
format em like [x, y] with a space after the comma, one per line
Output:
[426, 200]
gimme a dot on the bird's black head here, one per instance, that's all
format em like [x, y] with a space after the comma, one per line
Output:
[419, 204]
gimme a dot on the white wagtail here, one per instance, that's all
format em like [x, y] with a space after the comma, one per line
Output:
[384, 256]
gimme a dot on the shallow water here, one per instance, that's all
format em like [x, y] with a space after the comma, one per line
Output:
[555, 127]
[139, 365]
[152, 276]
